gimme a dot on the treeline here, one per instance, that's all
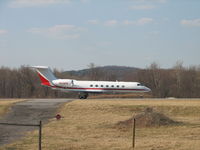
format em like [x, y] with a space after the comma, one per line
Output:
[24, 83]
[178, 81]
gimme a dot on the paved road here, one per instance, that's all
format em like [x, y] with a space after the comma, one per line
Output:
[27, 112]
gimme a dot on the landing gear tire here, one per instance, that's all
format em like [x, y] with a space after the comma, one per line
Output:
[83, 95]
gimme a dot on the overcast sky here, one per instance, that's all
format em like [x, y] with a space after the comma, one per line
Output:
[70, 34]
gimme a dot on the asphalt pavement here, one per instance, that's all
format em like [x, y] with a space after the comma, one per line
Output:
[27, 112]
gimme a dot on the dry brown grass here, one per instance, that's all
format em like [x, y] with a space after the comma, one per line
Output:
[90, 125]
[5, 105]
[121, 95]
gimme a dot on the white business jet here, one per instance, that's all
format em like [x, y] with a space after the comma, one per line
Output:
[85, 87]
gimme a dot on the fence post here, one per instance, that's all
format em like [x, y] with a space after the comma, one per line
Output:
[133, 133]
[29, 125]
[40, 135]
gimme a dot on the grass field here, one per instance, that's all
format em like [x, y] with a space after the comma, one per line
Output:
[5, 104]
[90, 125]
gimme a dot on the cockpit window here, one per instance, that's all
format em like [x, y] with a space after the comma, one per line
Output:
[139, 84]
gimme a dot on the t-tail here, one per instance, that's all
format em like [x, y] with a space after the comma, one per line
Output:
[45, 74]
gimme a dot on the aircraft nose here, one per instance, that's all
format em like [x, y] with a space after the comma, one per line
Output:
[147, 89]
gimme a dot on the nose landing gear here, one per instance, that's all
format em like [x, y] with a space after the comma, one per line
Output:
[83, 95]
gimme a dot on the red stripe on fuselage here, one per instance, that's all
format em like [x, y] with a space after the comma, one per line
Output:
[103, 89]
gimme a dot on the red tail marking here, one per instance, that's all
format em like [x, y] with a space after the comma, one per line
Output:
[43, 80]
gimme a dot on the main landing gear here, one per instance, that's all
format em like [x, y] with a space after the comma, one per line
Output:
[83, 95]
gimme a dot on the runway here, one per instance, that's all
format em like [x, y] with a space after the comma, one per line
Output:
[28, 112]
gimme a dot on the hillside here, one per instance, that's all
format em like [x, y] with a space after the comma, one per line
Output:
[111, 72]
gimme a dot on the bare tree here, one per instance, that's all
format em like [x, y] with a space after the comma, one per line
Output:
[178, 74]
[94, 72]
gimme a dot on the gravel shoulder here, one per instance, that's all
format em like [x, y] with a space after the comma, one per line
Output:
[27, 112]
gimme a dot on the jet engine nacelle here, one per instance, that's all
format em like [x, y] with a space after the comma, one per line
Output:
[63, 82]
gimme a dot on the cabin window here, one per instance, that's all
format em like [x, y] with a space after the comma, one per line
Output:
[91, 85]
[123, 86]
[112, 86]
[117, 85]
[101, 85]
[96, 85]
[107, 85]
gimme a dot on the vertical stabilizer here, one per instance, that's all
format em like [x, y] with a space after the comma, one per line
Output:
[45, 74]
